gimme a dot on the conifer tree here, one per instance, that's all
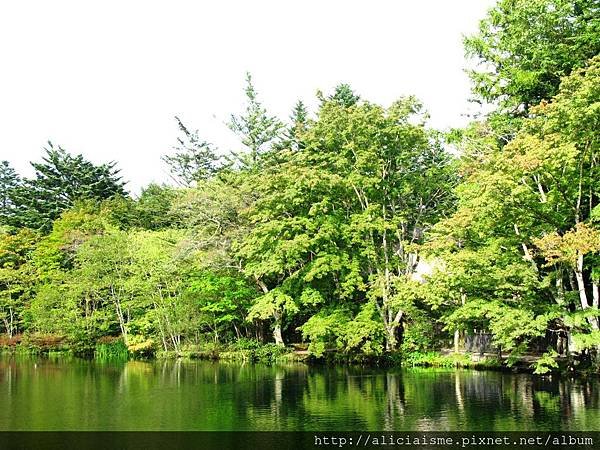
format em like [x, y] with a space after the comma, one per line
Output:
[259, 132]
[9, 183]
[194, 159]
[60, 180]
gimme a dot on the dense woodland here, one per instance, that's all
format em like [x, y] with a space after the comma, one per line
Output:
[353, 228]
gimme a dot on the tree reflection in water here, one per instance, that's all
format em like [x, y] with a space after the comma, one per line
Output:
[74, 394]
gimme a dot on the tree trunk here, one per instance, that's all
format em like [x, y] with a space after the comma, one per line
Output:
[119, 310]
[390, 339]
[456, 341]
[526, 252]
[277, 329]
[8, 328]
[391, 330]
[463, 300]
[596, 304]
[277, 334]
[581, 288]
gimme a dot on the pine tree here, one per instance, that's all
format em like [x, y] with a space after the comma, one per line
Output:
[258, 131]
[344, 96]
[9, 183]
[60, 180]
[194, 159]
[299, 124]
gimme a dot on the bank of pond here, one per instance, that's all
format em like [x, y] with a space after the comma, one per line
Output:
[252, 351]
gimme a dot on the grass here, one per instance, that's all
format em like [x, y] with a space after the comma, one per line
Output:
[111, 349]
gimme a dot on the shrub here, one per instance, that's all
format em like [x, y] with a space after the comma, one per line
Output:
[141, 346]
[40, 342]
[435, 359]
[7, 342]
[269, 353]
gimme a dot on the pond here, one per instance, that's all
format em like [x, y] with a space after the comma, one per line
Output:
[74, 394]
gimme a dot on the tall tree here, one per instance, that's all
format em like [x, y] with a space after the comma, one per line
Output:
[336, 224]
[344, 96]
[194, 159]
[298, 125]
[61, 179]
[258, 130]
[524, 240]
[9, 184]
[524, 47]
[17, 278]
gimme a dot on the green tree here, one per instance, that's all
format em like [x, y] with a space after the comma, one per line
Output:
[194, 159]
[258, 131]
[343, 216]
[62, 179]
[154, 208]
[344, 96]
[524, 48]
[223, 300]
[9, 184]
[17, 278]
[160, 278]
[525, 224]
[298, 126]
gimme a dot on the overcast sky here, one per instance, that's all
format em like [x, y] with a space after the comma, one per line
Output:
[105, 78]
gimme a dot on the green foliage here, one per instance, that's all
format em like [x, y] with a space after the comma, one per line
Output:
[269, 353]
[365, 333]
[298, 126]
[546, 363]
[519, 253]
[10, 183]
[61, 180]
[353, 229]
[222, 300]
[17, 278]
[153, 210]
[434, 359]
[111, 349]
[258, 131]
[252, 350]
[587, 340]
[344, 96]
[193, 160]
[323, 329]
[525, 47]
[140, 346]
[272, 304]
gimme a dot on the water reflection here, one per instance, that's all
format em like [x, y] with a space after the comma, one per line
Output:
[186, 395]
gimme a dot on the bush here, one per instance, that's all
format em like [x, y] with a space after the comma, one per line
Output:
[10, 342]
[140, 346]
[488, 363]
[245, 344]
[546, 363]
[40, 342]
[252, 350]
[269, 353]
[435, 359]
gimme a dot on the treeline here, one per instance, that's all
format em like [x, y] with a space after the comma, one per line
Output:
[352, 228]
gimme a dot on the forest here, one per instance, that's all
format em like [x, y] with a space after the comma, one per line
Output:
[355, 229]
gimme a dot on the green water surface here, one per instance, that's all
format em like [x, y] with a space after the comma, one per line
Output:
[74, 394]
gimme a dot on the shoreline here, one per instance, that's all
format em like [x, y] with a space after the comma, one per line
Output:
[440, 359]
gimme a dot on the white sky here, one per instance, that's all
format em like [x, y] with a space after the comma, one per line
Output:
[105, 78]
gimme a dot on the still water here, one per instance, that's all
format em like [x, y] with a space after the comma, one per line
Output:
[73, 394]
